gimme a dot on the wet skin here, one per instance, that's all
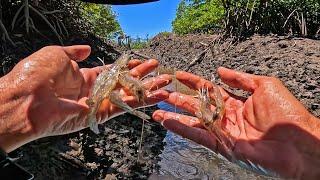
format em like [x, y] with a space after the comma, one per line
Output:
[270, 128]
[45, 95]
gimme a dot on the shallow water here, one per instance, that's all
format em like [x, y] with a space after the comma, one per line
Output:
[183, 159]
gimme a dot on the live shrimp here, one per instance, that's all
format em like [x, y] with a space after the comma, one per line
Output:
[105, 85]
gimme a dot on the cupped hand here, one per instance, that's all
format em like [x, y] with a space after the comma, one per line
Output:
[270, 128]
[45, 94]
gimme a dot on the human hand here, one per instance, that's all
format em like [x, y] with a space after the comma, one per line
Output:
[45, 94]
[270, 128]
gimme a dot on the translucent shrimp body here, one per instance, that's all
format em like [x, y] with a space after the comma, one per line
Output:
[104, 86]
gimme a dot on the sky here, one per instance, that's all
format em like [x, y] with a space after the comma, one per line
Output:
[146, 19]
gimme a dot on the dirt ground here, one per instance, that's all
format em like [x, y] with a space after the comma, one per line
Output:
[85, 155]
[113, 153]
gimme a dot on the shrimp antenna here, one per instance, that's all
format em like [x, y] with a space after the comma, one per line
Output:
[102, 61]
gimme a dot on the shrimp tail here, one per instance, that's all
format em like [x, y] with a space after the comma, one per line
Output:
[94, 127]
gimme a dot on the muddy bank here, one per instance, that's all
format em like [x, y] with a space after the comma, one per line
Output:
[296, 61]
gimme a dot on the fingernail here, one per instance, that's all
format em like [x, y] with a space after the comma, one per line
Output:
[157, 116]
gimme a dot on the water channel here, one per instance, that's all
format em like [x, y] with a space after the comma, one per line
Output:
[183, 159]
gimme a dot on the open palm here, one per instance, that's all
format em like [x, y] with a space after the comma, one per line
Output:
[47, 94]
[270, 128]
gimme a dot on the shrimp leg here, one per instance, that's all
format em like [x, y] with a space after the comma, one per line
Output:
[135, 86]
[116, 99]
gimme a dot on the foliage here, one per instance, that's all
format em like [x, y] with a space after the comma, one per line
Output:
[139, 45]
[102, 19]
[26, 14]
[245, 17]
[52, 20]
[198, 16]
[133, 43]
[165, 33]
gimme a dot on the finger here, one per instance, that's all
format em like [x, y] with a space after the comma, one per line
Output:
[78, 52]
[197, 82]
[161, 115]
[151, 99]
[94, 71]
[150, 84]
[193, 81]
[90, 74]
[157, 82]
[134, 63]
[197, 135]
[236, 79]
[97, 70]
[185, 102]
[144, 68]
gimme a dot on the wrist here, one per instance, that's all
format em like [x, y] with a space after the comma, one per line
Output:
[309, 148]
[15, 127]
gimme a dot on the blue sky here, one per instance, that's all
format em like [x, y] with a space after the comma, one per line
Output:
[150, 18]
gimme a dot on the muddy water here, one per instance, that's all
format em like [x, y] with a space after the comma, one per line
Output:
[183, 159]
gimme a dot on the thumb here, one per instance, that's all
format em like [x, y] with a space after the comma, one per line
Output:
[78, 52]
[236, 79]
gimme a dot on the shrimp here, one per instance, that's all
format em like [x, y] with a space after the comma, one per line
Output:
[208, 118]
[175, 85]
[205, 114]
[136, 88]
[104, 86]
[134, 85]
[116, 99]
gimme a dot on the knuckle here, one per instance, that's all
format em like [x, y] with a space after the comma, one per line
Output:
[269, 79]
[52, 48]
[274, 80]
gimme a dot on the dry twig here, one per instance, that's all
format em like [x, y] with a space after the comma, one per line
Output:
[74, 162]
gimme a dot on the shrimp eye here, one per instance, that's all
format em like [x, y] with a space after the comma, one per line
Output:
[140, 92]
[89, 102]
[207, 123]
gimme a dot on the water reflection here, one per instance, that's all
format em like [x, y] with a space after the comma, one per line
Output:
[183, 159]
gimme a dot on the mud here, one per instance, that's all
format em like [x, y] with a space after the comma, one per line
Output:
[85, 155]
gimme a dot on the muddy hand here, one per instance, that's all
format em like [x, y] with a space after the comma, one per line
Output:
[152, 95]
[271, 130]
